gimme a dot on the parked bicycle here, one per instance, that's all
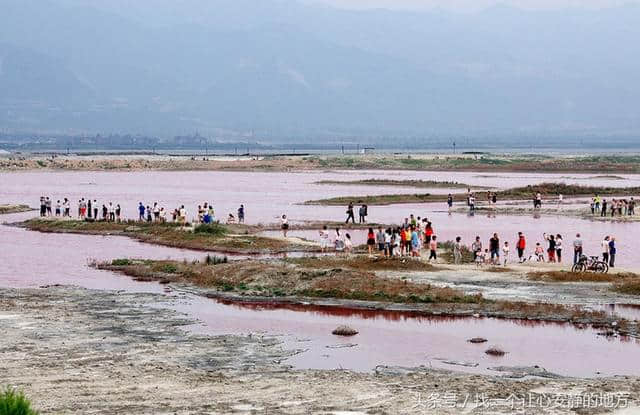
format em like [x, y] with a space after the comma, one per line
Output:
[590, 263]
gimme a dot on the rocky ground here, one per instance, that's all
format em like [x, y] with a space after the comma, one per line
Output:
[80, 351]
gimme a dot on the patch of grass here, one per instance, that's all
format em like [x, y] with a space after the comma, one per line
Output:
[364, 263]
[378, 200]
[212, 229]
[279, 278]
[167, 268]
[121, 262]
[630, 287]
[400, 183]
[447, 246]
[497, 269]
[517, 193]
[568, 276]
[13, 402]
[204, 237]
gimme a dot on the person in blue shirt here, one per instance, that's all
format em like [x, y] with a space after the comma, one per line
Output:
[141, 212]
[612, 252]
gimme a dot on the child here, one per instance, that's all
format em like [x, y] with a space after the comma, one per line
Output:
[505, 252]
[480, 256]
[539, 252]
[324, 238]
[487, 257]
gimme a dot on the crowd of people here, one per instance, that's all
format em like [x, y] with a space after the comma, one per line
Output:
[90, 209]
[413, 237]
[86, 209]
[416, 236]
[615, 207]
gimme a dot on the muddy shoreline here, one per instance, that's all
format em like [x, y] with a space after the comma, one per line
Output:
[126, 352]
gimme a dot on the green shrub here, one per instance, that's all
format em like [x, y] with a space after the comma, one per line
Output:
[15, 403]
[169, 268]
[121, 262]
[213, 229]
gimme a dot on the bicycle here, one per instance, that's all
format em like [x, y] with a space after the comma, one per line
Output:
[590, 263]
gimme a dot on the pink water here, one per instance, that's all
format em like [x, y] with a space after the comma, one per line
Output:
[267, 196]
[405, 339]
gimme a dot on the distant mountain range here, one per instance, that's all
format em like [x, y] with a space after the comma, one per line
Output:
[286, 71]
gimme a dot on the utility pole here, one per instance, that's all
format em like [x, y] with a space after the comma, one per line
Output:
[454, 147]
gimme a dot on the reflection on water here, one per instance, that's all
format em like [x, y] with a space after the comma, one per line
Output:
[410, 339]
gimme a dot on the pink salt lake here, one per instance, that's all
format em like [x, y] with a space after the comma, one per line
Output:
[31, 259]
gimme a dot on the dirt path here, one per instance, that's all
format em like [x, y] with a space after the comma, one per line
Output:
[81, 351]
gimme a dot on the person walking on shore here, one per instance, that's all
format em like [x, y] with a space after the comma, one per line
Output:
[350, 215]
[362, 214]
[450, 201]
[577, 249]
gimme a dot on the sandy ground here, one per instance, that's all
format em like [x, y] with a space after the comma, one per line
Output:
[80, 351]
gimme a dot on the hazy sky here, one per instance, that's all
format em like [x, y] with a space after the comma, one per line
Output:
[470, 5]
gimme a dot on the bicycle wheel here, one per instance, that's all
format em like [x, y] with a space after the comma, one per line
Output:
[579, 267]
[601, 266]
